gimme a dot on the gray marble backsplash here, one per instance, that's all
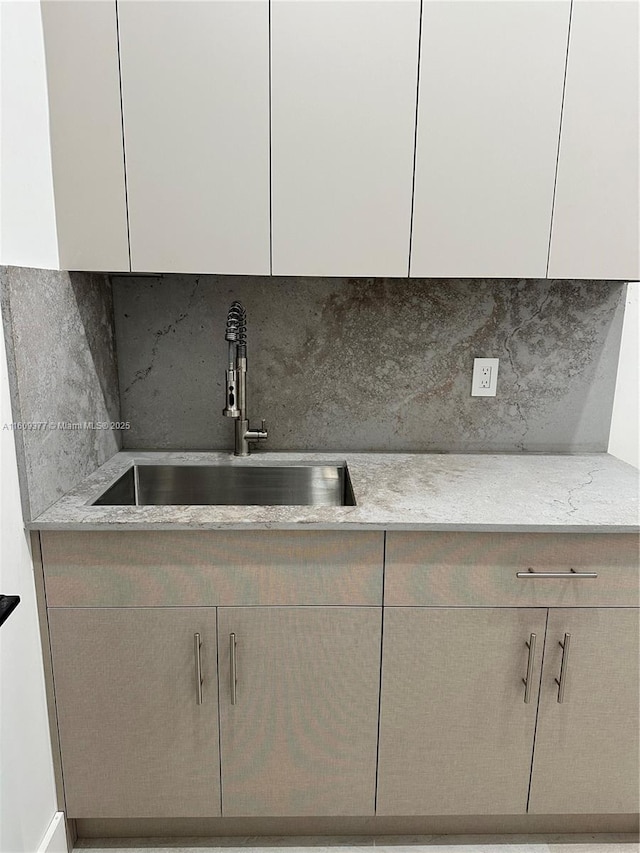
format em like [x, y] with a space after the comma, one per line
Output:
[62, 373]
[370, 364]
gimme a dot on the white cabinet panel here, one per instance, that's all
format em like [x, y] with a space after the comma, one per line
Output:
[344, 78]
[596, 220]
[490, 96]
[81, 47]
[195, 88]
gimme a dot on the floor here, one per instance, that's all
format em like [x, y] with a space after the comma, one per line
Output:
[382, 844]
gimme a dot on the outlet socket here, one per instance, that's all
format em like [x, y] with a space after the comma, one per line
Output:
[485, 377]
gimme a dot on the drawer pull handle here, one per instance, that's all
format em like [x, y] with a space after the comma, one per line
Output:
[531, 645]
[563, 667]
[197, 645]
[570, 574]
[233, 665]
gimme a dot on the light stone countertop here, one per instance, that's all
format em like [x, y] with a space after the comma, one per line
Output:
[590, 492]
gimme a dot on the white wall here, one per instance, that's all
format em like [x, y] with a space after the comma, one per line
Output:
[27, 788]
[27, 213]
[624, 438]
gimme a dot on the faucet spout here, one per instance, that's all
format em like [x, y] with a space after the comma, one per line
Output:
[236, 381]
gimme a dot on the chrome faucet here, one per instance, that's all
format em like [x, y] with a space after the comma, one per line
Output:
[236, 384]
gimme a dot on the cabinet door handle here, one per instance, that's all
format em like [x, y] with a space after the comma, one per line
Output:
[233, 665]
[197, 645]
[531, 645]
[563, 667]
[570, 574]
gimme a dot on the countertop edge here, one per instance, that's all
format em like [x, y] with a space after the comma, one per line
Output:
[301, 525]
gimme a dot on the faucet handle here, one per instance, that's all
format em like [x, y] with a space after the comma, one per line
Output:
[256, 434]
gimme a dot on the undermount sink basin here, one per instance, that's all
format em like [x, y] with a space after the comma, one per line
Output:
[247, 485]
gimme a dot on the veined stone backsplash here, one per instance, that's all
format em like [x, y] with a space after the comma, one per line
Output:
[370, 364]
[62, 375]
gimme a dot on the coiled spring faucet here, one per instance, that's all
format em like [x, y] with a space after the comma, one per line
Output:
[236, 384]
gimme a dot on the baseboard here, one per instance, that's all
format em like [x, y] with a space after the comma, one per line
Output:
[360, 826]
[55, 838]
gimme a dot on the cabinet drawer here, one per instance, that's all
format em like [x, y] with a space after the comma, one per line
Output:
[478, 569]
[149, 568]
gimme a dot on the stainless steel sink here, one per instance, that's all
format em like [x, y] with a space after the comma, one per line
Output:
[247, 485]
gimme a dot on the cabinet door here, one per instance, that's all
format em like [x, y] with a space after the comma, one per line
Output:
[301, 736]
[586, 752]
[491, 77]
[344, 77]
[81, 47]
[456, 735]
[596, 217]
[134, 740]
[195, 92]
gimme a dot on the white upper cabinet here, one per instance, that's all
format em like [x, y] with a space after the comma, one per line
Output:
[490, 99]
[85, 125]
[195, 90]
[596, 227]
[279, 136]
[343, 87]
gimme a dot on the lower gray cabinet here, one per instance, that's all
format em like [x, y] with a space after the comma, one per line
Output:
[586, 751]
[137, 737]
[299, 689]
[456, 733]
[285, 711]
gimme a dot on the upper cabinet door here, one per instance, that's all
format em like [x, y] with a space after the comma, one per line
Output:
[195, 90]
[596, 214]
[344, 76]
[490, 97]
[81, 47]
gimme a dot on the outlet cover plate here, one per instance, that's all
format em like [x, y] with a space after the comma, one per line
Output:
[485, 377]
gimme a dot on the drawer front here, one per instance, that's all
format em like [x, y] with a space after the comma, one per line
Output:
[166, 568]
[478, 569]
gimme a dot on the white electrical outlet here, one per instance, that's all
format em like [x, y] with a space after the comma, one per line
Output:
[485, 377]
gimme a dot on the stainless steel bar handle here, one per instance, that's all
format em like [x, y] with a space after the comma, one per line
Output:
[233, 662]
[531, 645]
[570, 574]
[563, 667]
[197, 645]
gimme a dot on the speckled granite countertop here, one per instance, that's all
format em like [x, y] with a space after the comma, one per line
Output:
[591, 492]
